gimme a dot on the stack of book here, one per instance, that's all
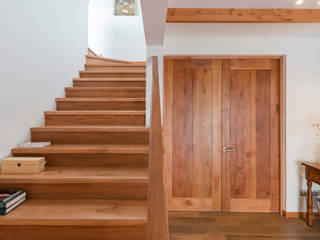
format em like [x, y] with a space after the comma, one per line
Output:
[11, 199]
[34, 144]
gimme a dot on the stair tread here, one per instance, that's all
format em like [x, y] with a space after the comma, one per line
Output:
[113, 71]
[90, 128]
[110, 79]
[79, 212]
[86, 149]
[82, 175]
[100, 99]
[95, 112]
[105, 88]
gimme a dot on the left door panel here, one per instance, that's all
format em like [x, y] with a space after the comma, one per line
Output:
[192, 142]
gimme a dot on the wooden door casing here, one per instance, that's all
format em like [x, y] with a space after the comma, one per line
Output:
[244, 113]
[251, 117]
[192, 143]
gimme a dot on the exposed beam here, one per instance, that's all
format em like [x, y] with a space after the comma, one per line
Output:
[232, 15]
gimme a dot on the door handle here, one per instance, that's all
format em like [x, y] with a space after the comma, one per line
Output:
[228, 149]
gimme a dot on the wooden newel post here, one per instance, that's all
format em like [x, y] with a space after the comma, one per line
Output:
[157, 206]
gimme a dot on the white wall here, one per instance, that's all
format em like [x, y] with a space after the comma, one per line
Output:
[119, 37]
[153, 51]
[42, 46]
[301, 45]
[154, 18]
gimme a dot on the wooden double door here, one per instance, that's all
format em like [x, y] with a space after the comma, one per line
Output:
[222, 134]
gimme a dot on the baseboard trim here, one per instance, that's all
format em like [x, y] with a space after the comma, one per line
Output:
[297, 214]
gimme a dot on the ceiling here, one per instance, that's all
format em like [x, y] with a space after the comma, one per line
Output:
[242, 4]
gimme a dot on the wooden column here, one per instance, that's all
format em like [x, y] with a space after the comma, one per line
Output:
[157, 208]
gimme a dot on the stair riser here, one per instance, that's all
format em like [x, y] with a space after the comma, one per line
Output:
[91, 137]
[65, 120]
[112, 75]
[109, 83]
[69, 105]
[132, 232]
[92, 160]
[115, 68]
[106, 93]
[41, 190]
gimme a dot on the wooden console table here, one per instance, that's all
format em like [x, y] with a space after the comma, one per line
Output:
[312, 175]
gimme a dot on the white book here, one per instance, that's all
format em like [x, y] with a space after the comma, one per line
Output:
[34, 144]
[17, 199]
[6, 211]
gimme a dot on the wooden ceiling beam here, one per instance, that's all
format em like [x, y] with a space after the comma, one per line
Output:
[232, 15]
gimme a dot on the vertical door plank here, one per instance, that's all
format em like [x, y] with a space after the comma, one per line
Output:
[263, 138]
[253, 135]
[225, 172]
[275, 136]
[202, 119]
[216, 133]
[240, 134]
[183, 131]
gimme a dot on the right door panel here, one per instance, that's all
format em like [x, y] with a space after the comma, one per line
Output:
[251, 135]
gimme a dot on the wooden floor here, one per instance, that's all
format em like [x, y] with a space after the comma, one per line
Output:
[239, 226]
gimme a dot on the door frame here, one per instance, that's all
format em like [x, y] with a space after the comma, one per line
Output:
[283, 81]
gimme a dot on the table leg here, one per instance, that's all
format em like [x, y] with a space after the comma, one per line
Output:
[309, 204]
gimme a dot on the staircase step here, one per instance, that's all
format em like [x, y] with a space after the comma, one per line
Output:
[85, 183]
[95, 117]
[116, 66]
[89, 155]
[79, 212]
[91, 134]
[75, 219]
[112, 73]
[100, 103]
[101, 92]
[80, 175]
[109, 82]
[86, 149]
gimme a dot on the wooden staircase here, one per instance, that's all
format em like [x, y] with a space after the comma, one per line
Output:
[95, 186]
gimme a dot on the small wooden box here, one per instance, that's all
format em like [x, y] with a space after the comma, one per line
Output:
[23, 165]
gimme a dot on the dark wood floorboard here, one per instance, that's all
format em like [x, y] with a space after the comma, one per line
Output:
[239, 226]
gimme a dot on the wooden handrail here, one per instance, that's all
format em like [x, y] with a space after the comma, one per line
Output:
[91, 52]
[92, 55]
[157, 206]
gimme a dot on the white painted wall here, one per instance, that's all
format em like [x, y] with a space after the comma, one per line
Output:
[153, 51]
[42, 46]
[154, 19]
[301, 44]
[119, 37]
